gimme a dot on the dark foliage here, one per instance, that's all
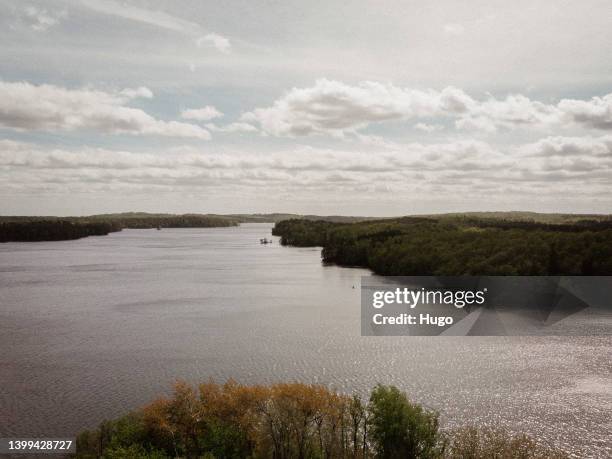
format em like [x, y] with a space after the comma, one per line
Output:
[55, 230]
[143, 220]
[29, 229]
[400, 429]
[459, 246]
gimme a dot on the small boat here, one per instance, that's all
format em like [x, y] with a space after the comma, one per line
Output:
[265, 241]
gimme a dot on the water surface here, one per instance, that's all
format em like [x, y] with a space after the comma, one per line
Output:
[92, 328]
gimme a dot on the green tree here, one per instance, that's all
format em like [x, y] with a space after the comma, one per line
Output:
[401, 429]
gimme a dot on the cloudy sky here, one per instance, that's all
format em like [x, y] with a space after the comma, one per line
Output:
[327, 107]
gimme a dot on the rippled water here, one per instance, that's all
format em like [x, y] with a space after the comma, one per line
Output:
[92, 328]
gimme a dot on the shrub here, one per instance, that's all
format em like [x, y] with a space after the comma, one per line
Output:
[473, 443]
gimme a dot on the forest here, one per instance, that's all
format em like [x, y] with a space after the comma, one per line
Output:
[294, 421]
[31, 229]
[56, 230]
[137, 220]
[459, 245]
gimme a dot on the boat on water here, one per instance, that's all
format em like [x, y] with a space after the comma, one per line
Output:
[265, 241]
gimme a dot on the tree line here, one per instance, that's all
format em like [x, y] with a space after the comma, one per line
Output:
[458, 246]
[57, 230]
[293, 420]
[30, 229]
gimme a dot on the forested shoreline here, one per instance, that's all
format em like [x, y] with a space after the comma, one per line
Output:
[459, 245]
[32, 229]
[56, 230]
[295, 421]
[50, 228]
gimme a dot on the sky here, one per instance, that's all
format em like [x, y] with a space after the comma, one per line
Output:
[375, 108]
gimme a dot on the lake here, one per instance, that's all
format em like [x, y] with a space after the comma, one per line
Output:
[92, 328]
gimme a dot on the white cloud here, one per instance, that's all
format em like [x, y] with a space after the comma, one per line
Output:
[336, 108]
[596, 113]
[202, 114]
[514, 111]
[447, 173]
[454, 101]
[219, 42]
[24, 106]
[332, 106]
[584, 147]
[457, 163]
[142, 91]
[232, 127]
[40, 19]
[301, 163]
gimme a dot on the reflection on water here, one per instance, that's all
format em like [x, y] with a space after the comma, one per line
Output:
[92, 328]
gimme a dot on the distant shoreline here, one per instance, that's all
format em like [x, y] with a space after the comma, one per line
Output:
[34, 229]
[52, 228]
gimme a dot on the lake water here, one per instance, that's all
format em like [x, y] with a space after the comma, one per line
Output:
[92, 328]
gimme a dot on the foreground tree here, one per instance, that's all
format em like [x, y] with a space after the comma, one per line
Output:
[291, 421]
[401, 429]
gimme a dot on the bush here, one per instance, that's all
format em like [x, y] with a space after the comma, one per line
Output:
[473, 443]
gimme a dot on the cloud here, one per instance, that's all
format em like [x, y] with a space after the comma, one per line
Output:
[142, 91]
[40, 19]
[450, 175]
[232, 127]
[596, 113]
[202, 114]
[24, 106]
[514, 111]
[160, 19]
[335, 108]
[583, 147]
[463, 166]
[453, 101]
[428, 127]
[221, 43]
